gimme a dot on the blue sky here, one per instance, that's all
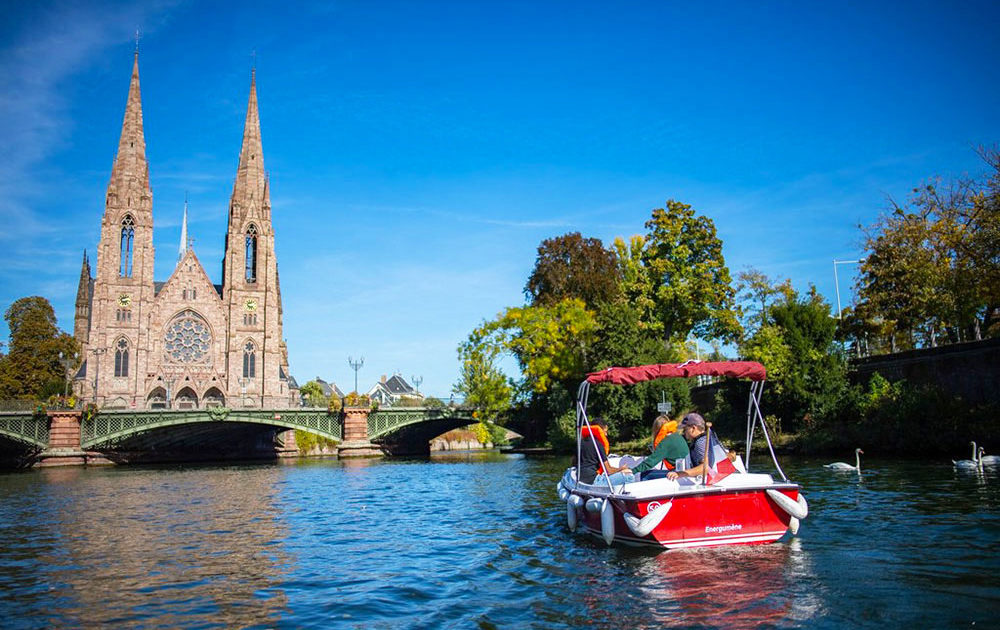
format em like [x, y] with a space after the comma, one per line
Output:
[420, 151]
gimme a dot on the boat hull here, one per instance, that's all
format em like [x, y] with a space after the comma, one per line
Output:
[699, 519]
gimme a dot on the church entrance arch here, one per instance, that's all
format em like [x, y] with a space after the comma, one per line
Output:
[186, 399]
[157, 399]
[213, 398]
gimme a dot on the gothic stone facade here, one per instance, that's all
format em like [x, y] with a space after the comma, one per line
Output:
[183, 343]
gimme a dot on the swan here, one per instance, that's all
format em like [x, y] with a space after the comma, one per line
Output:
[842, 466]
[988, 460]
[969, 464]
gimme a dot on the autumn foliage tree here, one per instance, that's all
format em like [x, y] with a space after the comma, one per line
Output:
[571, 266]
[932, 265]
[31, 369]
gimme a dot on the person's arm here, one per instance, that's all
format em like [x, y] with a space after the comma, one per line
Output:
[694, 471]
[665, 450]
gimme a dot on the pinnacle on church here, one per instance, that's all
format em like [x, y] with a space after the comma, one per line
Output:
[184, 232]
[83, 289]
[130, 162]
[251, 179]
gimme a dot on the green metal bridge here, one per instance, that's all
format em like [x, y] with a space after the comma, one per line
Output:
[24, 428]
[225, 430]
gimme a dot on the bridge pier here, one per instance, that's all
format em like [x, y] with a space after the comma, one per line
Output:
[356, 442]
[64, 442]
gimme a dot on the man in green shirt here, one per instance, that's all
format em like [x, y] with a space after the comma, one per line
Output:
[668, 448]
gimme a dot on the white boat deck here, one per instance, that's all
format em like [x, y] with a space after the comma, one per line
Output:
[661, 487]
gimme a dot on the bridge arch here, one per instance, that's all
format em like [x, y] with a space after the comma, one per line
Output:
[114, 429]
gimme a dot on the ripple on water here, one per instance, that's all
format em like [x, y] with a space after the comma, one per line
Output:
[466, 541]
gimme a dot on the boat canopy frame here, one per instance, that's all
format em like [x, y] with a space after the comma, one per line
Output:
[751, 370]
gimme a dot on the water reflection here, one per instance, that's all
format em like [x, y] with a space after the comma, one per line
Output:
[183, 549]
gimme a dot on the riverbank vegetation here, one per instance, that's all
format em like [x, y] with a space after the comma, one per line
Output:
[930, 275]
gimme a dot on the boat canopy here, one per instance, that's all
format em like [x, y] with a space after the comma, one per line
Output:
[640, 373]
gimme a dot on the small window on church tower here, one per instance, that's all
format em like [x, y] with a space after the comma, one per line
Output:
[249, 361]
[127, 246]
[121, 358]
[251, 254]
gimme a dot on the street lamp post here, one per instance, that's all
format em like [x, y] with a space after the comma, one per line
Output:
[356, 365]
[67, 363]
[97, 368]
[836, 282]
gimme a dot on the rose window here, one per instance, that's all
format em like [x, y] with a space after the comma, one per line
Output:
[188, 339]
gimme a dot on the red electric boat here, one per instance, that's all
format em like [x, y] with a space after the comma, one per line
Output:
[722, 507]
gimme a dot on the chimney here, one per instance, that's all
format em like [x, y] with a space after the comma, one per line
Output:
[383, 378]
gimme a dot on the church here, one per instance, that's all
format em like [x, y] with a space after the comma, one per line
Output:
[183, 343]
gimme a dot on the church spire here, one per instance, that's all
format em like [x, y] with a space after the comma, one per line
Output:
[130, 162]
[250, 189]
[83, 289]
[184, 232]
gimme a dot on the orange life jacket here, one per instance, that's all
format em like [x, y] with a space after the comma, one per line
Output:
[602, 439]
[665, 430]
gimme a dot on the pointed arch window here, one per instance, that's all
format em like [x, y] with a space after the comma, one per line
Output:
[121, 358]
[251, 253]
[249, 360]
[127, 246]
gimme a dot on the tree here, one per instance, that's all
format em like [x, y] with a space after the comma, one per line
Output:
[481, 383]
[621, 341]
[805, 370]
[756, 292]
[32, 369]
[933, 264]
[637, 287]
[691, 283]
[550, 342]
[570, 266]
[312, 392]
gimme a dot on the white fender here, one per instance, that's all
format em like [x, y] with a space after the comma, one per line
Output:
[573, 503]
[642, 527]
[570, 516]
[562, 491]
[793, 525]
[792, 507]
[802, 503]
[593, 505]
[608, 521]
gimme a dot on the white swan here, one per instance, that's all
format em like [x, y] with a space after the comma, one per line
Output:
[989, 460]
[969, 464]
[842, 466]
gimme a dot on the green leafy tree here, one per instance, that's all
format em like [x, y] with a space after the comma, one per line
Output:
[755, 293]
[549, 342]
[571, 266]
[620, 341]
[312, 392]
[482, 384]
[31, 369]
[806, 371]
[692, 286]
[637, 286]
[932, 265]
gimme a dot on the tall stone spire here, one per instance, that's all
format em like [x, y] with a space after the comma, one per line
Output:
[81, 325]
[250, 191]
[130, 170]
[83, 289]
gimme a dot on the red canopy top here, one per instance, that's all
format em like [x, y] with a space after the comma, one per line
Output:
[632, 375]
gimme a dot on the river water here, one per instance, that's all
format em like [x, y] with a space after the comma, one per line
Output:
[476, 540]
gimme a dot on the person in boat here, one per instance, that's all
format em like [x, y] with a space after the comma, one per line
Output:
[595, 462]
[693, 429]
[668, 446]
